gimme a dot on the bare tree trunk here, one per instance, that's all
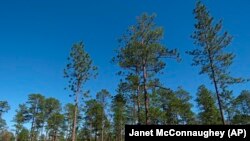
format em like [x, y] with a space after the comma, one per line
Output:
[138, 102]
[31, 130]
[95, 135]
[216, 88]
[121, 134]
[75, 117]
[46, 135]
[146, 98]
[102, 132]
[219, 100]
[55, 135]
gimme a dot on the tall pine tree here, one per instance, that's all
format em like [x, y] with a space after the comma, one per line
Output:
[210, 54]
[78, 70]
[142, 54]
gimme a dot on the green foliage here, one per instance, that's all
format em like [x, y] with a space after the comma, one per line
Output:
[53, 118]
[210, 54]
[93, 118]
[69, 119]
[186, 116]
[119, 116]
[6, 136]
[140, 98]
[55, 125]
[4, 107]
[78, 70]
[42, 113]
[102, 98]
[242, 106]
[171, 107]
[141, 55]
[227, 100]
[209, 114]
[35, 115]
[96, 119]
[22, 116]
[156, 108]
[23, 135]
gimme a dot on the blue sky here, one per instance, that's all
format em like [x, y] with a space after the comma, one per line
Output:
[36, 37]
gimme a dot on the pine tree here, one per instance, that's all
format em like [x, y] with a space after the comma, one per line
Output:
[34, 114]
[211, 55]
[185, 113]
[78, 70]
[4, 107]
[69, 110]
[142, 54]
[93, 117]
[53, 118]
[172, 107]
[102, 97]
[55, 124]
[20, 118]
[119, 116]
[209, 114]
[23, 135]
[242, 106]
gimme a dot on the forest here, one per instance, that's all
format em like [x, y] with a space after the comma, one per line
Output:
[140, 98]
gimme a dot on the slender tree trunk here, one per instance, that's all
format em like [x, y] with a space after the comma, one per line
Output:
[146, 99]
[103, 113]
[102, 131]
[46, 135]
[138, 103]
[216, 88]
[32, 129]
[70, 125]
[121, 134]
[42, 130]
[95, 135]
[134, 110]
[219, 101]
[75, 117]
[55, 136]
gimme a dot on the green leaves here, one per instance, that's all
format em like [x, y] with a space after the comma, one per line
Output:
[209, 113]
[141, 56]
[210, 53]
[242, 107]
[79, 68]
[4, 107]
[119, 115]
[42, 113]
[211, 42]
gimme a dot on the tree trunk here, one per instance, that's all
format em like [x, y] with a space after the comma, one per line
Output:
[134, 110]
[55, 135]
[102, 132]
[46, 135]
[32, 128]
[121, 134]
[216, 88]
[138, 104]
[219, 101]
[146, 99]
[95, 135]
[75, 118]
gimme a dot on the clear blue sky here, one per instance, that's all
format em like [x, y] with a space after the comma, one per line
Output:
[36, 36]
